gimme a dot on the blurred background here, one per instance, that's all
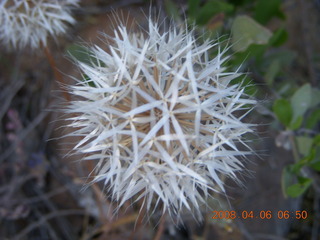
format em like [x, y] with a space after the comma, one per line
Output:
[276, 43]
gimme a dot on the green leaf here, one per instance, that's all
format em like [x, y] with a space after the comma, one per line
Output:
[211, 8]
[295, 124]
[308, 160]
[313, 119]
[301, 100]
[316, 166]
[278, 38]
[246, 31]
[298, 189]
[275, 62]
[193, 8]
[316, 140]
[295, 168]
[315, 100]
[272, 71]
[253, 51]
[171, 9]
[283, 111]
[315, 155]
[285, 57]
[287, 179]
[249, 88]
[266, 9]
[86, 79]
[304, 145]
[83, 54]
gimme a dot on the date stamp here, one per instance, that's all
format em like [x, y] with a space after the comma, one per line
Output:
[264, 214]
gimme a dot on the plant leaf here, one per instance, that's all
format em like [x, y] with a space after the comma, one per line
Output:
[212, 8]
[246, 31]
[301, 101]
[313, 119]
[272, 71]
[265, 10]
[287, 179]
[315, 97]
[298, 189]
[283, 111]
[295, 124]
[279, 37]
[304, 145]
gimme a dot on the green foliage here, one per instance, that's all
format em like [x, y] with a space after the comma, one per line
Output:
[279, 37]
[262, 52]
[301, 100]
[312, 158]
[296, 123]
[315, 100]
[83, 55]
[272, 71]
[171, 9]
[292, 115]
[293, 183]
[193, 8]
[254, 51]
[283, 111]
[274, 64]
[299, 188]
[266, 10]
[211, 8]
[201, 14]
[313, 119]
[314, 154]
[246, 31]
[304, 145]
